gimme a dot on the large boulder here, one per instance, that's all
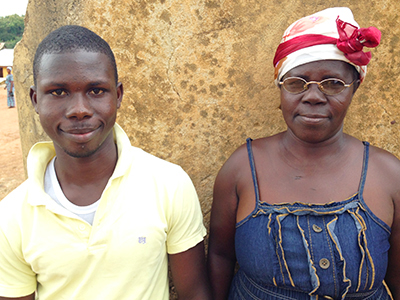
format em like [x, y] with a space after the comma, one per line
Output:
[198, 74]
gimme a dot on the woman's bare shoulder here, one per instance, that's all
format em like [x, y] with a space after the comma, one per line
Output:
[237, 165]
[240, 156]
[384, 169]
[384, 160]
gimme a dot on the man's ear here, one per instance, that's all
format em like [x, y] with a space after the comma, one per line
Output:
[33, 96]
[120, 93]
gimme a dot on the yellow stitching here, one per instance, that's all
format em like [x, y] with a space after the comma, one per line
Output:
[362, 206]
[257, 213]
[309, 233]
[311, 260]
[279, 260]
[280, 245]
[376, 219]
[367, 250]
[332, 255]
[387, 289]
[362, 252]
[308, 204]
[341, 258]
[273, 279]
[311, 210]
[269, 223]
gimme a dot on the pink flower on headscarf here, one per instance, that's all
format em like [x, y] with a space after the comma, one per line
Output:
[330, 34]
[304, 24]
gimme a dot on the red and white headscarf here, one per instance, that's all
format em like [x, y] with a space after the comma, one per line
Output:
[331, 34]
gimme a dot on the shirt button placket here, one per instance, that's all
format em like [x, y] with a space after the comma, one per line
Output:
[83, 231]
[324, 262]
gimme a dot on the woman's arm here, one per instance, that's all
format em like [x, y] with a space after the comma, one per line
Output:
[387, 169]
[393, 272]
[189, 274]
[221, 250]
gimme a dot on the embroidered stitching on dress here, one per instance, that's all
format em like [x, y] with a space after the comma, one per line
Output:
[308, 246]
[363, 238]
[280, 246]
[334, 239]
[332, 255]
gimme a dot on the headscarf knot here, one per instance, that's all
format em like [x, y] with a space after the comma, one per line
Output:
[352, 40]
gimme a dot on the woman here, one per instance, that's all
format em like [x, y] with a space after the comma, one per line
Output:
[308, 213]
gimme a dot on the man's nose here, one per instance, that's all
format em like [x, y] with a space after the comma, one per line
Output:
[79, 107]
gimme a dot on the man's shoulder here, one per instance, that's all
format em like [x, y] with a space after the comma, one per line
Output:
[17, 193]
[14, 201]
[148, 165]
[145, 158]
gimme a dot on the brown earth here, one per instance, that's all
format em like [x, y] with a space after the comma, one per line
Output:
[12, 169]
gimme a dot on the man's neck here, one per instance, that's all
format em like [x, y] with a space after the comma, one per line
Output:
[84, 179]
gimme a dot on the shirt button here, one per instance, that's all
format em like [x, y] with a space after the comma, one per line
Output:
[82, 227]
[324, 263]
[316, 228]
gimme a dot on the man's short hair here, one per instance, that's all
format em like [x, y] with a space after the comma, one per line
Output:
[71, 38]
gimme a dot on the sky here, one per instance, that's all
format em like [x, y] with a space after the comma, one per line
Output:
[10, 7]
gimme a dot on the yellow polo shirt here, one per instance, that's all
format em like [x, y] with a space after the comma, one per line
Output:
[149, 208]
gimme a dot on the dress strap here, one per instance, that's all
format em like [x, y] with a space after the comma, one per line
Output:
[364, 168]
[253, 169]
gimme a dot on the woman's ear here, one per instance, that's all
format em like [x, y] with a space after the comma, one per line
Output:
[356, 85]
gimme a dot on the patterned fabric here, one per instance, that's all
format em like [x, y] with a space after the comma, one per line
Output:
[337, 250]
[331, 34]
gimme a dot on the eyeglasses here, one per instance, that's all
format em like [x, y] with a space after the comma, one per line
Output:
[330, 86]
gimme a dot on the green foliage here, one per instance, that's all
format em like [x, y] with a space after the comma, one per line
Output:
[11, 30]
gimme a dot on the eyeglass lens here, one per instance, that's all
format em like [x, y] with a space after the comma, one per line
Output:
[327, 86]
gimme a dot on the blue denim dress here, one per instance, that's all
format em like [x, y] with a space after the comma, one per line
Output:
[337, 250]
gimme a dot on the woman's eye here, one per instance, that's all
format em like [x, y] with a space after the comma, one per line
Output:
[97, 91]
[58, 92]
[334, 83]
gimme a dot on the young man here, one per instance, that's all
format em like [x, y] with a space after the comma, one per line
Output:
[97, 218]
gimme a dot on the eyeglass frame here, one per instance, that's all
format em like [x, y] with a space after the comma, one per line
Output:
[320, 87]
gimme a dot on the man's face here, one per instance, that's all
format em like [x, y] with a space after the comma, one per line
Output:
[77, 100]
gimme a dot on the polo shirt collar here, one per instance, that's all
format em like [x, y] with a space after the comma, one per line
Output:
[41, 153]
[125, 149]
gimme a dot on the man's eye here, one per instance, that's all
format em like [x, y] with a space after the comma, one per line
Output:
[58, 92]
[97, 91]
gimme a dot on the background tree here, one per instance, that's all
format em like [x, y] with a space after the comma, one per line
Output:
[11, 30]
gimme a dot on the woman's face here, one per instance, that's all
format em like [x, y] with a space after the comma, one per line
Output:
[311, 115]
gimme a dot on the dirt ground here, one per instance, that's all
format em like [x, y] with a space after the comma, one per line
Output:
[12, 170]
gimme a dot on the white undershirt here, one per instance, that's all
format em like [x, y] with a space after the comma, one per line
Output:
[53, 189]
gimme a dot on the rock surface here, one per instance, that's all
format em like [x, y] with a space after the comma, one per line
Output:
[198, 74]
